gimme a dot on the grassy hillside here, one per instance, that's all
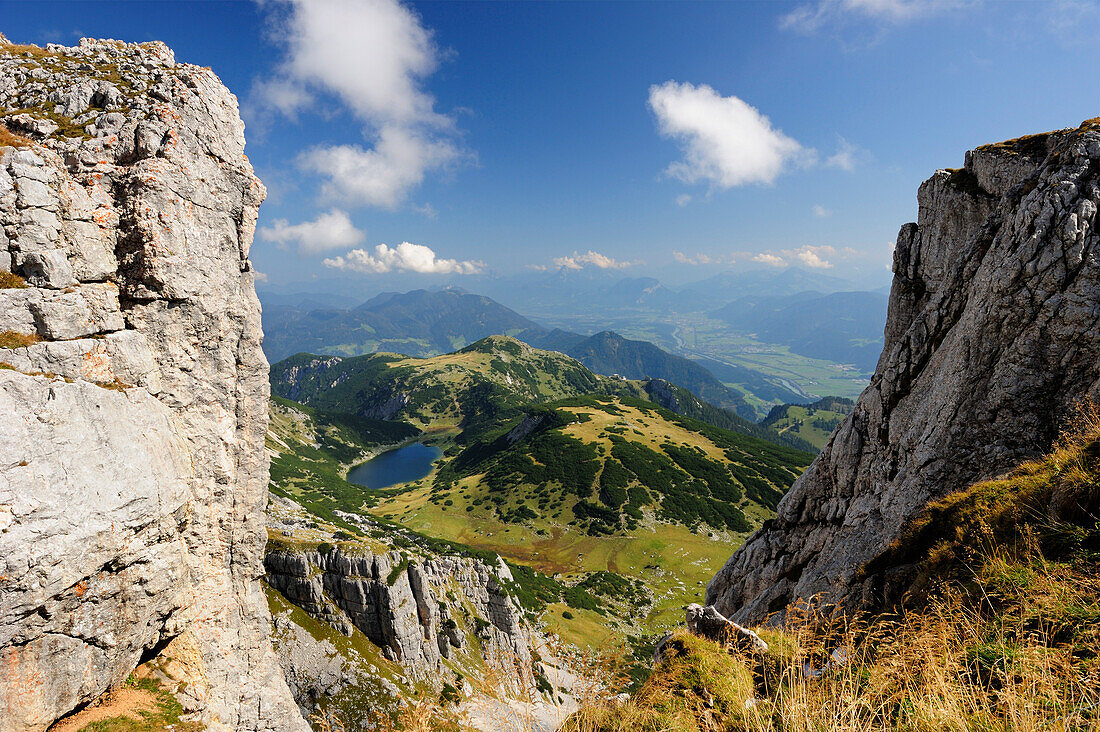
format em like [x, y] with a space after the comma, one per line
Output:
[599, 484]
[999, 629]
[606, 459]
[592, 491]
[474, 388]
[813, 423]
[477, 388]
[608, 352]
[685, 403]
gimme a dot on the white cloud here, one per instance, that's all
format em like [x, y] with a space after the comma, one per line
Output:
[683, 199]
[821, 212]
[332, 230]
[807, 255]
[591, 258]
[846, 157]
[405, 257]
[285, 95]
[815, 16]
[372, 55]
[725, 140]
[694, 259]
[382, 176]
[811, 258]
[259, 276]
[771, 260]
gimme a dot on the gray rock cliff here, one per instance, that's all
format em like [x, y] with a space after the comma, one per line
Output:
[133, 477]
[992, 338]
[419, 611]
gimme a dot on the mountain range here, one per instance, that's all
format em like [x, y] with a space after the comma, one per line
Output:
[423, 323]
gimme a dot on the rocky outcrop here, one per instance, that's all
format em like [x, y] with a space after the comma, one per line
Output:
[132, 471]
[991, 339]
[709, 623]
[419, 611]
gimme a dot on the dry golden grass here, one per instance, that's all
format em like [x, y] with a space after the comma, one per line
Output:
[1003, 635]
[12, 139]
[14, 339]
[9, 281]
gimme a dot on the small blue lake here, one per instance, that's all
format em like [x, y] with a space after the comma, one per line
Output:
[403, 465]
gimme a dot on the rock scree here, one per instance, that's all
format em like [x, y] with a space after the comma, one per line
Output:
[991, 340]
[133, 477]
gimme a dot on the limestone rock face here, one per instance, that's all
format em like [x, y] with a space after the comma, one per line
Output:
[132, 472]
[992, 338]
[418, 611]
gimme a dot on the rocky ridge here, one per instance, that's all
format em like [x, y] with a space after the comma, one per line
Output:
[991, 341]
[133, 478]
[419, 611]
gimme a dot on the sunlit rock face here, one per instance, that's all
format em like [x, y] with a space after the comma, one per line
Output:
[134, 401]
[991, 340]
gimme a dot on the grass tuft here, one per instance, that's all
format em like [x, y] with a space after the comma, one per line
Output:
[8, 280]
[13, 139]
[15, 339]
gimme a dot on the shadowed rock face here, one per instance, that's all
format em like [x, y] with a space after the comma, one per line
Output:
[132, 472]
[991, 339]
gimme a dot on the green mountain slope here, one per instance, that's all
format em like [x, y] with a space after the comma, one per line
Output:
[608, 352]
[558, 470]
[813, 423]
[475, 388]
[611, 484]
[607, 459]
[423, 324]
[685, 403]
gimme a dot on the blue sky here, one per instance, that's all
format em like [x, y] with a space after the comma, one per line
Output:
[668, 139]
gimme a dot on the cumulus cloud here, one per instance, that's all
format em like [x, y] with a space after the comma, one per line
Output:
[725, 141]
[372, 55]
[331, 230]
[812, 17]
[694, 259]
[821, 212]
[683, 199]
[590, 259]
[846, 157]
[405, 257]
[811, 258]
[816, 257]
[381, 176]
[772, 260]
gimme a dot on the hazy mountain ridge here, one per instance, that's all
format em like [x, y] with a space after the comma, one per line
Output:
[845, 327]
[417, 323]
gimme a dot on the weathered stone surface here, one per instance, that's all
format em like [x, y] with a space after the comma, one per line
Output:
[709, 623]
[992, 337]
[412, 609]
[133, 476]
[90, 310]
